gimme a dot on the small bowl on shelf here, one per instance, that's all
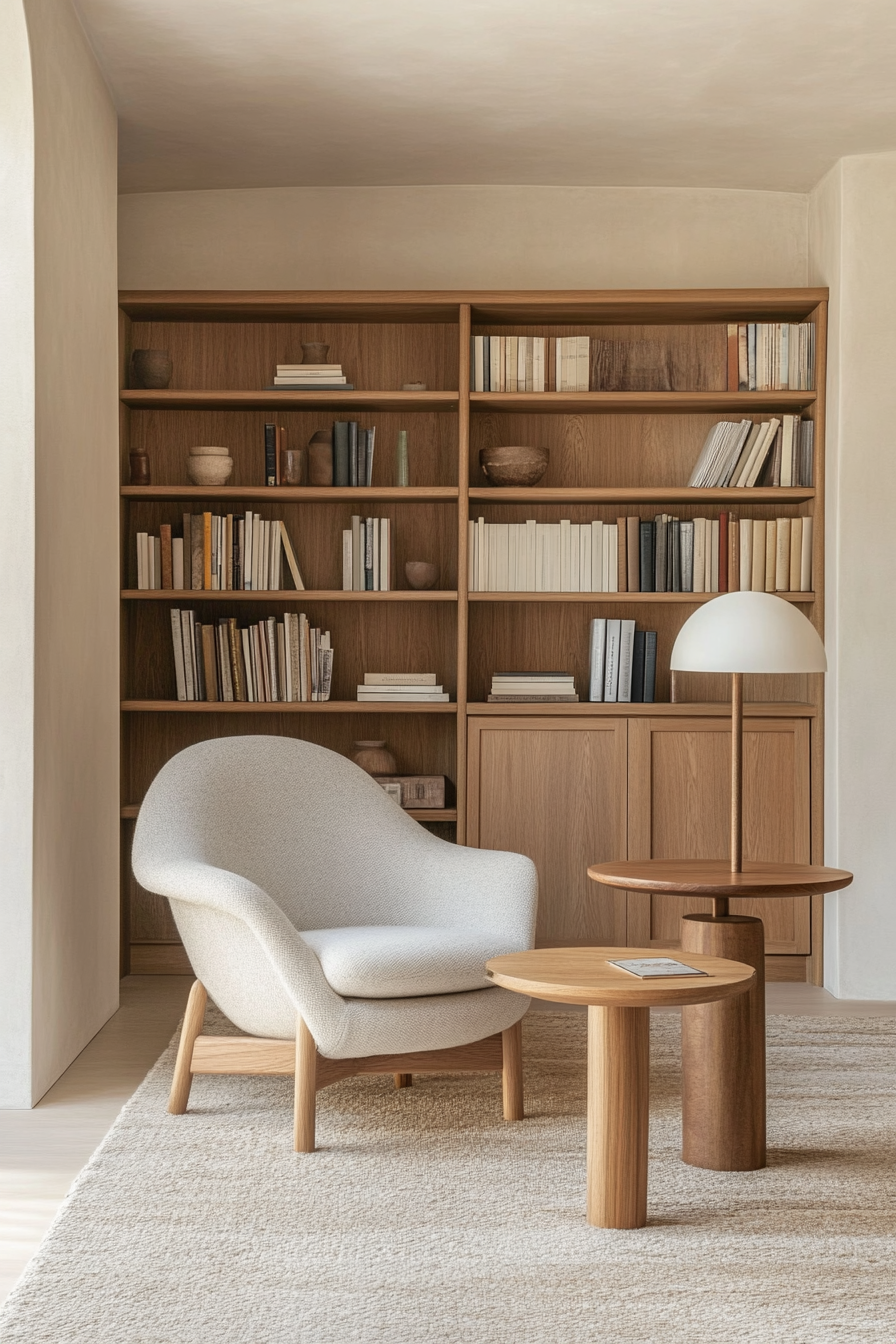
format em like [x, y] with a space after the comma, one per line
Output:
[209, 465]
[420, 574]
[514, 465]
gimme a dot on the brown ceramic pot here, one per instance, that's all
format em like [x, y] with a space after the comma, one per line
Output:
[314, 352]
[151, 368]
[420, 574]
[320, 458]
[514, 465]
[374, 758]
[139, 463]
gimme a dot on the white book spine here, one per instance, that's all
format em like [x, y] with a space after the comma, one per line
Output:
[806, 561]
[472, 574]
[538, 364]
[597, 659]
[177, 563]
[612, 532]
[746, 554]
[699, 555]
[375, 556]
[565, 555]
[347, 560]
[597, 556]
[714, 558]
[626, 653]
[611, 675]
[156, 543]
[529, 585]
[481, 558]
[539, 557]
[585, 534]
[385, 555]
[142, 566]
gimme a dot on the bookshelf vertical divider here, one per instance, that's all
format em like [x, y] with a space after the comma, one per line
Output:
[611, 453]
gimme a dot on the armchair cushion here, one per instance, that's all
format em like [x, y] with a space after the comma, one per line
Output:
[402, 962]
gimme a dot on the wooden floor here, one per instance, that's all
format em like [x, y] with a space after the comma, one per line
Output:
[42, 1150]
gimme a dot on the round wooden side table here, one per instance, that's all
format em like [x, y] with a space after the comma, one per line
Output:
[618, 1053]
[723, 1044]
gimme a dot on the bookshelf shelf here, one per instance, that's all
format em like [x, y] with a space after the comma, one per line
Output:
[130, 811]
[643, 403]
[639, 494]
[301, 707]
[205, 399]
[636, 448]
[288, 595]
[594, 599]
[297, 494]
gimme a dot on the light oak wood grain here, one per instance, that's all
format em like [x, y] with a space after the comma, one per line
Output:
[618, 1116]
[584, 975]
[183, 1068]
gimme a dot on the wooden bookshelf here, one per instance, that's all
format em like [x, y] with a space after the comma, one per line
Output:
[607, 450]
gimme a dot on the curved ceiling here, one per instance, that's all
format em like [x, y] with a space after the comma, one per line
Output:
[250, 93]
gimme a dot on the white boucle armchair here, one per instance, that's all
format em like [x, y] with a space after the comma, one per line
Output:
[328, 925]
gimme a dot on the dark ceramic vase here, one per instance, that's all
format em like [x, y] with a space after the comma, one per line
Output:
[151, 368]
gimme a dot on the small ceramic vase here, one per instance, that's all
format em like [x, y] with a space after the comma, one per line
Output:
[420, 574]
[374, 758]
[320, 458]
[151, 368]
[402, 471]
[292, 466]
[139, 468]
[314, 352]
[209, 466]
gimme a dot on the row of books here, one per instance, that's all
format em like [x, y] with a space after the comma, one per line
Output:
[218, 553]
[530, 363]
[272, 660]
[659, 555]
[777, 451]
[771, 356]
[401, 688]
[511, 688]
[311, 376]
[352, 448]
[621, 662]
[367, 555]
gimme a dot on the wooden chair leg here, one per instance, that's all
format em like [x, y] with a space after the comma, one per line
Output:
[403, 1079]
[306, 1089]
[512, 1073]
[183, 1077]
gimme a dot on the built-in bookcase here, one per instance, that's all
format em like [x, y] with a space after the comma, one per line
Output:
[612, 454]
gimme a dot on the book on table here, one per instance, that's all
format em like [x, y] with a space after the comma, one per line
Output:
[655, 968]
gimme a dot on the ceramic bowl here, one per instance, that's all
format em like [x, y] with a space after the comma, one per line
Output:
[514, 465]
[209, 469]
[209, 452]
[420, 574]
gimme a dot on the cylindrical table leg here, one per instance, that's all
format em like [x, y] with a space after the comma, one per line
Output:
[618, 1115]
[723, 1053]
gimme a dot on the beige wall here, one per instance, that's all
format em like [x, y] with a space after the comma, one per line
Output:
[456, 237]
[76, 795]
[852, 232]
[17, 493]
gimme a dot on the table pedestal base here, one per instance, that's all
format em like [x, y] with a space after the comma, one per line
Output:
[723, 1053]
[618, 1115]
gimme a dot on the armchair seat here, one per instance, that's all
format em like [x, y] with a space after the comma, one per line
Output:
[401, 961]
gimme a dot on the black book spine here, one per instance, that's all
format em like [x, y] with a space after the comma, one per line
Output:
[353, 477]
[647, 571]
[649, 666]
[270, 454]
[198, 661]
[237, 553]
[662, 528]
[340, 452]
[638, 667]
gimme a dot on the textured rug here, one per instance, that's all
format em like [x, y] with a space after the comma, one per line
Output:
[425, 1218]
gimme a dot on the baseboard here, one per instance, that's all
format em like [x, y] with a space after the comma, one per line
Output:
[159, 959]
[790, 968]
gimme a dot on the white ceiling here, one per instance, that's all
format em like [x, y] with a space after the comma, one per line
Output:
[246, 93]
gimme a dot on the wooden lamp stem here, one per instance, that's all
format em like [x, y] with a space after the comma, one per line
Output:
[737, 771]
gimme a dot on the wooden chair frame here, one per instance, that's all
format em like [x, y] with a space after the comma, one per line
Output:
[196, 1053]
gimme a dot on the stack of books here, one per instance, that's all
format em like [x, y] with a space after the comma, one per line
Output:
[533, 557]
[285, 660]
[397, 688]
[622, 662]
[768, 452]
[511, 688]
[771, 356]
[352, 453]
[218, 553]
[367, 555]
[307, 377]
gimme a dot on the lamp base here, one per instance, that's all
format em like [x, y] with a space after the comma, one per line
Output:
[723, 1053]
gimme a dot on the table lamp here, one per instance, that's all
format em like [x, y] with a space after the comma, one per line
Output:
[738, 633]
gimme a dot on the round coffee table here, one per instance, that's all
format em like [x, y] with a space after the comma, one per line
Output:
[618, 1052]
[723, 1044]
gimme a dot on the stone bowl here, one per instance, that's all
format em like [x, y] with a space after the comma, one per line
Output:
[206, 468]
[514, 465]
[209, 452]
[420, 574]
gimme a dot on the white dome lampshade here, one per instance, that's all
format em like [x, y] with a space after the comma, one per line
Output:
[748, 632]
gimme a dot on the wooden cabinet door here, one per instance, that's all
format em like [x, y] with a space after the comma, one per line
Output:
[556, 790]
[679, 807]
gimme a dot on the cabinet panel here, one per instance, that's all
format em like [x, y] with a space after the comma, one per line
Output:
[679, 804]
[556, 791]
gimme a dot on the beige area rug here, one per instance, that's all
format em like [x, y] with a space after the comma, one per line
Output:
[424, 1217]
